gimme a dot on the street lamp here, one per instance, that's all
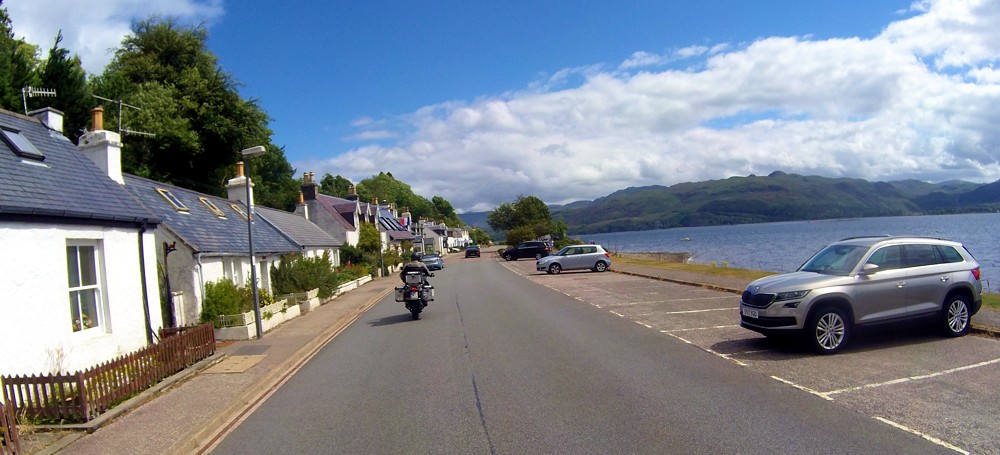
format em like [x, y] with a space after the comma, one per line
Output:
[247, 154]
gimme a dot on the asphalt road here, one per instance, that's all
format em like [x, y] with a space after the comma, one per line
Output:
[502, 365]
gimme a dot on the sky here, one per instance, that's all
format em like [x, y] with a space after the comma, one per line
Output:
[481, 102]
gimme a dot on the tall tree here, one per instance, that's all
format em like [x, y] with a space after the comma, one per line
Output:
[65, 74]
[526, 212]
[334, 186]
[18, 61]
[200, 121]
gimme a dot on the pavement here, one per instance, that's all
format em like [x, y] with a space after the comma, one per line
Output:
[192, 411]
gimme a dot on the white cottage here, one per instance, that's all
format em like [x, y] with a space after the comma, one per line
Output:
[79, 273]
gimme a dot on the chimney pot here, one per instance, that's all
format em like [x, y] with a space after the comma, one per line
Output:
[97, 118]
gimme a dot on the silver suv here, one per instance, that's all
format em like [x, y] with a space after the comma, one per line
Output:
[575, 257]
[867, 281]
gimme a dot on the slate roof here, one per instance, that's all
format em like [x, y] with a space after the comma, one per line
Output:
[391, 225]
[204, 231]
[299, 230]
[339, 209]
[65, 186]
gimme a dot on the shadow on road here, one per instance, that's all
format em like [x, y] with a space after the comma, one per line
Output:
[390, 320]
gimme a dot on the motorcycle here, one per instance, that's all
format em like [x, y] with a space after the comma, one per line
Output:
[414, 293]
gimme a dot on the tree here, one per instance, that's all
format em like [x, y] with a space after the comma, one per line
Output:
[369, 240]
[334, 186]
[192, 105]
[67, 77]
[527, 212]
[18, 62]
[480, 237]
[446, 212]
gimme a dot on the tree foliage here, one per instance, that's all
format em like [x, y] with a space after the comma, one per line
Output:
[526, 212]
[200, 121]
[334, 186]
[66, 76]
[18, 62]
[480, 237]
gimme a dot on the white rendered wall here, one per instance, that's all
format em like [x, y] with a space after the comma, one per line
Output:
[36, 319]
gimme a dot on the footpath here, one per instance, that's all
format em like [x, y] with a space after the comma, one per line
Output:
[192, 411]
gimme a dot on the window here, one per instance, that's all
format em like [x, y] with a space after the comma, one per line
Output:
[886, 258]
[212, 207]
[172, 200]
[919, 254]
[82, 263]
[20, 145]
[238, 209]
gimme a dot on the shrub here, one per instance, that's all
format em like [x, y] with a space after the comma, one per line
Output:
[300, 274]
[224, 297]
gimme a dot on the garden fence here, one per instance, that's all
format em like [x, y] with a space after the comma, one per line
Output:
[10, 442]
[83, 395]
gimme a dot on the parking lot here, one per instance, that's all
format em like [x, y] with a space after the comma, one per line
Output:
[945, 389]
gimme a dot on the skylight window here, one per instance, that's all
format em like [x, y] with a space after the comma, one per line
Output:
[20, 145]
[239, 210]
[172, 200]
[212, 207]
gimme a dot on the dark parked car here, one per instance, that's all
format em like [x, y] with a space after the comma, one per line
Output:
[472, 250]
[533, 249]
[433, 261]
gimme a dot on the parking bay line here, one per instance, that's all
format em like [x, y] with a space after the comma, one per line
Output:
[912, 378]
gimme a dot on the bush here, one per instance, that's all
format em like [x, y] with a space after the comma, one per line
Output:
[300, 274]
[224, 297]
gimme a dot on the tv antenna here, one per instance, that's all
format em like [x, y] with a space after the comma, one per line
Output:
[31, 92]
[121, 104]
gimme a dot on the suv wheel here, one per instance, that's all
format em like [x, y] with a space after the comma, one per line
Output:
[554, 269]
[955, 316]
[538, 256]
[600, 266]
[828, 330]
[508, 257]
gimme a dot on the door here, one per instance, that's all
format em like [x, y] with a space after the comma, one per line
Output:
[881, 294]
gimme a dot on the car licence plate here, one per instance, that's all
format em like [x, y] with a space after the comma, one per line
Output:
[750, 312]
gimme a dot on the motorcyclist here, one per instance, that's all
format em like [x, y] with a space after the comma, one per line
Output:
[415, 265]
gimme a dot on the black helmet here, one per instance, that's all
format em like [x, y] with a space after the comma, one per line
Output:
[415, 256]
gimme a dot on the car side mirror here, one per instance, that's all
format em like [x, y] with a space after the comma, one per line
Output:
[869, 269]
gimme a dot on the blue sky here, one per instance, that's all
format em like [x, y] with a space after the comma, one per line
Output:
[479, 102]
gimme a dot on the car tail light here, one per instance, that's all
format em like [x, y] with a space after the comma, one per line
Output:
[607, 255]
[976, 273]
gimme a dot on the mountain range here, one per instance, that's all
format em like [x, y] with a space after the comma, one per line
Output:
[760, 199]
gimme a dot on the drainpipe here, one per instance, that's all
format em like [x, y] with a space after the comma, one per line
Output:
[145, 296]
[201, 277]
[169, 311]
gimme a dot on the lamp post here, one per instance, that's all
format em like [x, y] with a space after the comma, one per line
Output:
[247, 154]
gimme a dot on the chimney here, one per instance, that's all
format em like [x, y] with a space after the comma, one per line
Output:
[301, 208]
[352, 193]
[103, 147]
[236, 187]
[49, 117]
[309, 187]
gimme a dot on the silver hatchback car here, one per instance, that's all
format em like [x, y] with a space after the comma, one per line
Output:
[575, 257]
[867, 281]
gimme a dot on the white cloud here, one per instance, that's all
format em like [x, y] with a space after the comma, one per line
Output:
[919, 101]
[93, 28]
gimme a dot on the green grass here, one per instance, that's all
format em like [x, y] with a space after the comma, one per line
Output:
[991, 300]
[704, 269]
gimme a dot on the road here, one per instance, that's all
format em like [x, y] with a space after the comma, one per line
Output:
[502, 365]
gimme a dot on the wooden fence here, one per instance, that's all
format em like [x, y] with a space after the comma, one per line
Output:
[83, 395]
[10, 442]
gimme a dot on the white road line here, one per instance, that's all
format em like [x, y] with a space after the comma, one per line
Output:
[914, 378]
[802, 388]
[701, 328]
[699, 311]
[922, 435]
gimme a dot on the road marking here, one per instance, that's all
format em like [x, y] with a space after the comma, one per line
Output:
[802, 388]
[699, 311]
[914, 378]
[700, 328]
[922, 435]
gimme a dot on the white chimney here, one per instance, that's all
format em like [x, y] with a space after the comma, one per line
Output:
[103, 147]
[50, 117]
[236, 186]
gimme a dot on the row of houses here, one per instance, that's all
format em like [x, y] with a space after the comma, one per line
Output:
[85, 245]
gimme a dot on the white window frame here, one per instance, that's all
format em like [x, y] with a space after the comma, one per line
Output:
[99, 318]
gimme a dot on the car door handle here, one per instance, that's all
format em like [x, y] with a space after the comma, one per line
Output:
[901, 284]
[944, 278]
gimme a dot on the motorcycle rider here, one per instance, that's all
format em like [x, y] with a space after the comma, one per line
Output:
[415, 265]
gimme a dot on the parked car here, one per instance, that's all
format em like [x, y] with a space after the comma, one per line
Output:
[531, 249]
[867, 281]
[433, 261]
[575, 257]
[472, 250]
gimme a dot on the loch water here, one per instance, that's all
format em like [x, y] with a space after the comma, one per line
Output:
[783, 247]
